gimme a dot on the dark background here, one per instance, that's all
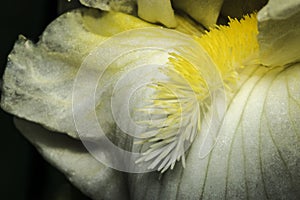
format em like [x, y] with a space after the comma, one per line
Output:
[24, 173]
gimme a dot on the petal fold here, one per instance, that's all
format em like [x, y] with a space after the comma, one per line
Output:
[279, 32]
[205, 12]
[157, 11]
[68, 155]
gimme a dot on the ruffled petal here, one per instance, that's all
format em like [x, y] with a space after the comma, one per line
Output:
[38, 80]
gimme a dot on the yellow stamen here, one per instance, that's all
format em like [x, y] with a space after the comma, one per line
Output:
[185, 96]
[232, 47]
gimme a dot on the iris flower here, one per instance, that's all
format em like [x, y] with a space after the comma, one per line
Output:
[141, 102]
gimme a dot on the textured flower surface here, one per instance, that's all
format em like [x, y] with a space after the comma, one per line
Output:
[114, 101]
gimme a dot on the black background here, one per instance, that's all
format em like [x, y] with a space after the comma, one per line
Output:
[24, 173]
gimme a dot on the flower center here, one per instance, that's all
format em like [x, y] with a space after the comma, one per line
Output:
[185, 97]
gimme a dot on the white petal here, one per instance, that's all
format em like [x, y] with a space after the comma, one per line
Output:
[257, 152]
[71, 158]
[39, 78]
[279, 32]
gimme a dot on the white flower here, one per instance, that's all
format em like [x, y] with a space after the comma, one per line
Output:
[226, 103]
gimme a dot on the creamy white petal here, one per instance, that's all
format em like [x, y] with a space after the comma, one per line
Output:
[71, 158]
[257, 152]
[38, 80]
[279, 32]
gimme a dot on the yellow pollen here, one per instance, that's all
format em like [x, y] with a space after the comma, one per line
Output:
[232, 47]
[184, 98]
